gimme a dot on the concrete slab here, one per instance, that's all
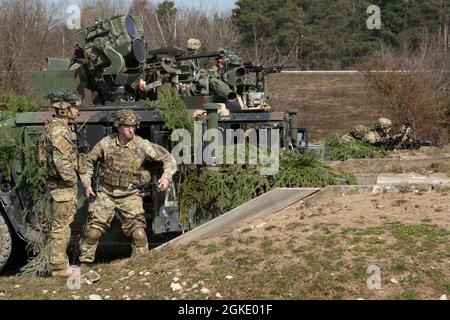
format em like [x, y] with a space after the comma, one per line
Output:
[381, 165]
[266, 204]
[412, 178]
[366, 178]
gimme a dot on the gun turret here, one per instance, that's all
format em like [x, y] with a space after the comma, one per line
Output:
[111, 55]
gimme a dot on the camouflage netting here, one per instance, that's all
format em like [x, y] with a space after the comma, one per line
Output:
[37, 238]
[11, 150]
[339, 150]
[205, 194]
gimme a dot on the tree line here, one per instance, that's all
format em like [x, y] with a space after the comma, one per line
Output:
[333, 34]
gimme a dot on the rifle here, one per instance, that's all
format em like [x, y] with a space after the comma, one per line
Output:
[95, 180]
[82, 143]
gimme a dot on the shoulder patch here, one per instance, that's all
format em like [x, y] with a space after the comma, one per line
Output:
[62, 143]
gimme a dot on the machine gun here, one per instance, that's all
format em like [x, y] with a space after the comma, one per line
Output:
[175, 65]
[261, 69]
[403, 140]
[397, 143]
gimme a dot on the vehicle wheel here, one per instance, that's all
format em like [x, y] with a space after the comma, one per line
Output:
[5, 242]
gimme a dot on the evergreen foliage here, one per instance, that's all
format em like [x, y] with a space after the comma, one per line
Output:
[15, 104]
[9, 149]
[36, 216]
[206, 194]
[341, 151]
[170, 106]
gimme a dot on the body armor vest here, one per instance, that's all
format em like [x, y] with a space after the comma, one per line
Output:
[122, 165]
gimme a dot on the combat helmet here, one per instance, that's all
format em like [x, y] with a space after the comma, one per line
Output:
[359, 131]
[221, 52]
[127, 117]
[193, 44]
[383, 123]
[63, 100]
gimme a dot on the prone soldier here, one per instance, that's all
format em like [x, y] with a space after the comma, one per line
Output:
[358, 132]
[379, 132]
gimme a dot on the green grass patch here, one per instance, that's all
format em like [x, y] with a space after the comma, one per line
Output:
[246, 230]
[410, 294]
[211, 248]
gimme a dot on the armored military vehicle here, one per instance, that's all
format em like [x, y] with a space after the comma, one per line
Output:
[113, 68]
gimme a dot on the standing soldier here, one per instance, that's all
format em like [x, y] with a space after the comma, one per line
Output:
[59, 154]
[121, 156]
[379, 132]
[219, 69]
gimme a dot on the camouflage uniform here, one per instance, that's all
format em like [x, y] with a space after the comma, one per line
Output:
[62, 162]
[357, 133]
[376, 134]
[120, 170]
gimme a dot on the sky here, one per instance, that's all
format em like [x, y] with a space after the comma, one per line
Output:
[222, 6]
[209, 6]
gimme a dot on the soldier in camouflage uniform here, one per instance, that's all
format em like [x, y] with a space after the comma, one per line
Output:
[121, 156]
[219, 69]
[357, 133]
[379, 132]
[60, 156]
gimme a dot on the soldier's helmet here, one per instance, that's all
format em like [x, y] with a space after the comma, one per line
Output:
[359, 131]
[127, 117]
[193, 44]
[383, 123]
[63, 100]
[221, 52]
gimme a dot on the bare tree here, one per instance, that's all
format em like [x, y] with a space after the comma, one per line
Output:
[97, 10]
[27, 34]
[213, 30]
[413, 87]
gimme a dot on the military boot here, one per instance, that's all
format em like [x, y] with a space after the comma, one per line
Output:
[64, 273]
[139, 251]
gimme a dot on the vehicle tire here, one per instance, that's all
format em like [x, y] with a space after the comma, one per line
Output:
[5, 242]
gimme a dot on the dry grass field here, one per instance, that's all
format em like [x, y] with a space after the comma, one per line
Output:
[327, 102]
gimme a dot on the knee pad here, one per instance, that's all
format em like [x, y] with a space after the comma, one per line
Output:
[91, 235]
[140, 237]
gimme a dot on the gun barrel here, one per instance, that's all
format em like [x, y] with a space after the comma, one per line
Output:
[221, 89]
[199, 56]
